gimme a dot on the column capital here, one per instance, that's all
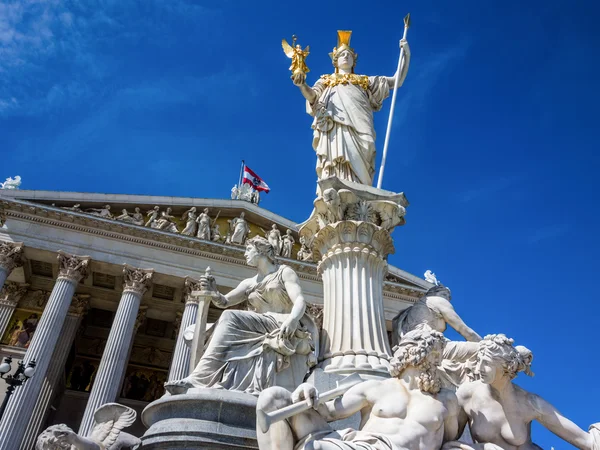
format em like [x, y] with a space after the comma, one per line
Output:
[11, 255]
[136, 280]
[191, 285]
[72, 268]
[12, 293]
[80, 304]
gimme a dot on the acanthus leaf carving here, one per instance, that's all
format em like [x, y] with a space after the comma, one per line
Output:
[11, 255]
[12, 293]
[71, 267]
[136, 280]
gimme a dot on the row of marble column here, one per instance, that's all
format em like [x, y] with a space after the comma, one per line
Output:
[55, 332]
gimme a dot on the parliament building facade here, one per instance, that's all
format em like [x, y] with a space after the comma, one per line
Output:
[71, 244]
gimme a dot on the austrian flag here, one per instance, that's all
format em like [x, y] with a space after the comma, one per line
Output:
[254, 180]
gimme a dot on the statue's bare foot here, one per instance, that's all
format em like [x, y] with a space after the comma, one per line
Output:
[177, 387]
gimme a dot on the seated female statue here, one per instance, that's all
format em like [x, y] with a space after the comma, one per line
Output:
[500, 413]
[271, 344]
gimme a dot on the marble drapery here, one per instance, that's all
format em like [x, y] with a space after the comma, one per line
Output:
[344, 132]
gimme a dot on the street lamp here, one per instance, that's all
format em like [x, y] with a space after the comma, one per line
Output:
[21, 375]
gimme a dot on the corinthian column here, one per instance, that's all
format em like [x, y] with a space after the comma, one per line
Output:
[10, 295]
[180, 364]
[72, 269]
[51, 385]
[11, 256]
[350, 232]
[353, 265]
[111, 370]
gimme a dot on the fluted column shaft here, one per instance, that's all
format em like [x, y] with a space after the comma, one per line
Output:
[44, 341]
[180, 364]
[7, 307]
[113, 364]
[51, 383]
[353, 267]
[10, 294]
[3, 275]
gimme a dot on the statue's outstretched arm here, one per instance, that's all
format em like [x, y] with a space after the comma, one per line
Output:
[554, 421]
[233, 297]
[447, 311]
[309, 93]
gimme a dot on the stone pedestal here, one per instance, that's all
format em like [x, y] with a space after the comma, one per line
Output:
[111, 370]
[201, 419]
[72, 269]
[350, 233]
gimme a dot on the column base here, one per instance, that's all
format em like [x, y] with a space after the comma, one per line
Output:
[361, 363]
[201, 419]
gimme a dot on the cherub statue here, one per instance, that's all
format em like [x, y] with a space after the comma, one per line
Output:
[11, 183]
[297, 55]
[110, 419]
[235, 192]
[431, 278]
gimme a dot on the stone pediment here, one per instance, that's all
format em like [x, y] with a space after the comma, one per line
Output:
[57, 209]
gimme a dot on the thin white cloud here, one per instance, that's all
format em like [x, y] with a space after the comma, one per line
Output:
[422, 78]
[488, 187]
[49, 57]
[549, 232]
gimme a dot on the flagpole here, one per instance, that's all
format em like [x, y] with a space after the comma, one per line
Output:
[389, 126]
[241, 174]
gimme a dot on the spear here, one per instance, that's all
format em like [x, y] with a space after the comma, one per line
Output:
[389, 127]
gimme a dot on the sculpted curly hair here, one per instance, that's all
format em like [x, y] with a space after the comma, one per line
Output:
[48, 440]
[514, 359]
[414, 350]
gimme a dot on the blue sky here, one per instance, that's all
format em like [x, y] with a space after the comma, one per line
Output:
[494, 140]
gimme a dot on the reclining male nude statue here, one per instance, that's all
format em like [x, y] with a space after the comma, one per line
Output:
[407, 411]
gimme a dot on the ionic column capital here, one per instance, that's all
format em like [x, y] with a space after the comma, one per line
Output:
[11, 255]
[136, 280]
[72, 268]
[12, 293]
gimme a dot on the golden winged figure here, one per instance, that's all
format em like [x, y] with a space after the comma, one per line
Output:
[297, 55]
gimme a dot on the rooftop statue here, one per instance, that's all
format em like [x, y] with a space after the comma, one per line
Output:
[342, 104]
[11, 183]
